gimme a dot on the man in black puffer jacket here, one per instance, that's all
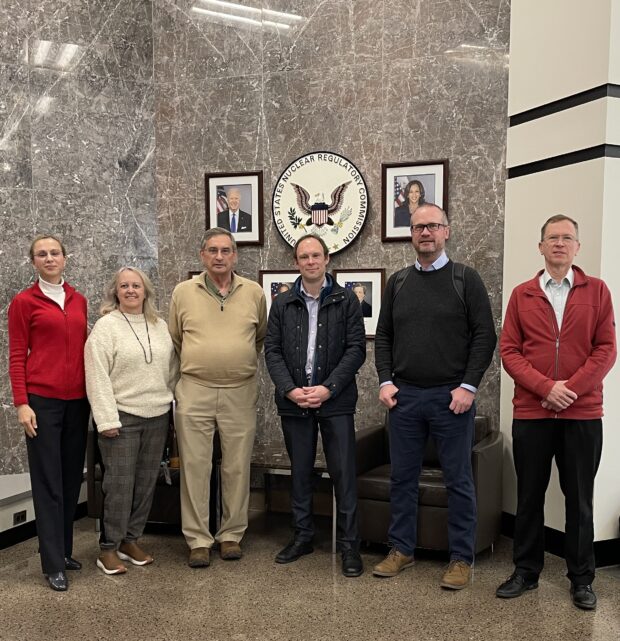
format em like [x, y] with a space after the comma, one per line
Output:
[315, 345]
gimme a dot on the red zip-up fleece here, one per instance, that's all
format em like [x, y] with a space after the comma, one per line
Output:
[536, 354]
[46, 345]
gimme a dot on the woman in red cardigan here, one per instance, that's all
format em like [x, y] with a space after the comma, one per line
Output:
[47, 332]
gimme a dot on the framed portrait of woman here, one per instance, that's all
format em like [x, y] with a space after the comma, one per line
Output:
[404, 187]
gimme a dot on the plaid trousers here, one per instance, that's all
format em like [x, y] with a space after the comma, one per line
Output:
[131, 461]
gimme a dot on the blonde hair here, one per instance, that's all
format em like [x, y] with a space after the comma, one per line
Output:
[110, 299]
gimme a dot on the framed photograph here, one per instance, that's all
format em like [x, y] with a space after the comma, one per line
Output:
[404, 187]
[275, 282]
[367, 285]
[235, 202]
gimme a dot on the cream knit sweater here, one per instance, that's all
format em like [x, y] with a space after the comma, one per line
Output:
[117, 375]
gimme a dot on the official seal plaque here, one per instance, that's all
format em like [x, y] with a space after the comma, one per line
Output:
[321, 193]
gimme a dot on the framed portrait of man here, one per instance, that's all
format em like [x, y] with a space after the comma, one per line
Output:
[406, 186]
[276, 282]
[234, 201]
[367, 285]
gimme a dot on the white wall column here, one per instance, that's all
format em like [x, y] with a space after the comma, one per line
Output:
[563, 156]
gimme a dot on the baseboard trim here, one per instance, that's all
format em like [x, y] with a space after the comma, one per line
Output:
[27, 531]
[606, 552]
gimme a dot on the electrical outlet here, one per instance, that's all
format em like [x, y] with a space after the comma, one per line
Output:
[19, 517]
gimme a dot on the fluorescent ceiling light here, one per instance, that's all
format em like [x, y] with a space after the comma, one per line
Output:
[227, 16]
[66, 55]
[233, 5]
[282, 15]
[218, 15]
[40, 54]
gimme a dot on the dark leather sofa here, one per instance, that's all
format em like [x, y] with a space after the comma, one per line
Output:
[373, 488]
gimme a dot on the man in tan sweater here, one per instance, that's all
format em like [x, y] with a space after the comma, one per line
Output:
[217, 323]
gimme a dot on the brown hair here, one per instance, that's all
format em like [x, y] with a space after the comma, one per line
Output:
[558, 218]
[305, 237]
[43, 237]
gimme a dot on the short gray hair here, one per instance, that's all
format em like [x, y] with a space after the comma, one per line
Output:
[217, 231]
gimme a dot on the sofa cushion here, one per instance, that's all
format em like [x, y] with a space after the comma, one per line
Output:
[375, 485]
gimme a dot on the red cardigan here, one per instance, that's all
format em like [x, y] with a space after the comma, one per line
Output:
[583, 354]
[46, 345]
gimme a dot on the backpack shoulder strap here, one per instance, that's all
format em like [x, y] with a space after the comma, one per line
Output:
[401, 277]
[458, 281]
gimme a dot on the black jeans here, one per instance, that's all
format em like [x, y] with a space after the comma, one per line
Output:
[56, 459]
[577, 446]
[338, 434]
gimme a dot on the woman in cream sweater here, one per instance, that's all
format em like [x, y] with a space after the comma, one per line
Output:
[131, 369]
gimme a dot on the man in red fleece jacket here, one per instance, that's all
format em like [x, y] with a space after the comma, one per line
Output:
[558, 343]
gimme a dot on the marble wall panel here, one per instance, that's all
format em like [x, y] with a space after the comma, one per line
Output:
[15, 165]
[419, 28]
[191, 46]
[14, 28]
[77, 113]
[127, 103]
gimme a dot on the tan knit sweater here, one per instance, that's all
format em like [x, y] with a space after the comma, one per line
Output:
[218, 343]
[117, 375]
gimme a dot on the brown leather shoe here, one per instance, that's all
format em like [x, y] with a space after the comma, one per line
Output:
[199, 558]
[393, 563]
[230, 551]
[130, 551]
[110, 563]
[457, 575]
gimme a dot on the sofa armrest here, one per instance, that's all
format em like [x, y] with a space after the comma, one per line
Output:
[487, 462]
[370, 449]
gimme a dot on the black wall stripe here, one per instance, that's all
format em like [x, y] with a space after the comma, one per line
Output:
[599, 151]
[581, 98]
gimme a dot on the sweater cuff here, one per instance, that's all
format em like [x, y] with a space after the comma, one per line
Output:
[104, 427]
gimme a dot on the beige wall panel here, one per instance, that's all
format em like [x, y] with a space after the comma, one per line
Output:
[558, 48]
[563, 132]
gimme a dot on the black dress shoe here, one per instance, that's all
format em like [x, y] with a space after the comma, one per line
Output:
[583, 596]
[57, 581]
[72, 564]
[515, 585]
[352, 563]
[293, 551]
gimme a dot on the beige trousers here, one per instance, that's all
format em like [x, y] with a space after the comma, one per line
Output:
[200, 410]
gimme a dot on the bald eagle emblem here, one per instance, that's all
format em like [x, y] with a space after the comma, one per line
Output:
[320, 212]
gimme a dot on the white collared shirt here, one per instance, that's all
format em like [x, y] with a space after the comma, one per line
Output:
[312, 305]
[442, 261]
[557, 293]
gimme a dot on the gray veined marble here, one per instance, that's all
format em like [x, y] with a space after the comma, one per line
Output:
[111, 112]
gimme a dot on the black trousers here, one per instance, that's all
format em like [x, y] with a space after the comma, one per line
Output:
[338, 435]
[577, 446]
[56, 459]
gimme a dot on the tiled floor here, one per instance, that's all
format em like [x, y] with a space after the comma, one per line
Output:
[256, 599]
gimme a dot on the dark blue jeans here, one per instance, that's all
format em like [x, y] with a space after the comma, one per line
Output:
[418, 414]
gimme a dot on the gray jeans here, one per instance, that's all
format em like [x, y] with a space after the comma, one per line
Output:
[131, 461]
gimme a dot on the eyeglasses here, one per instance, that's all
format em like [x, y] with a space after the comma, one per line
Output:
[418, 229]
[214, 251]
[565, 239]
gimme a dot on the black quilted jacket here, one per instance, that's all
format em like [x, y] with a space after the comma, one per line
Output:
[340, 348]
